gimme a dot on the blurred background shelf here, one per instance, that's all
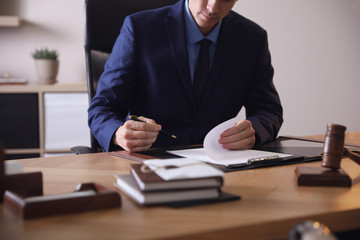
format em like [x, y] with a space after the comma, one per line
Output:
[43, 120]
[9, 21]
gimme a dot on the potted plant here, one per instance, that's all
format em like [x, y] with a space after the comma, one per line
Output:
[46, 64]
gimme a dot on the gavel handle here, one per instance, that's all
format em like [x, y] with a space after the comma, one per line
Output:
[353, 156]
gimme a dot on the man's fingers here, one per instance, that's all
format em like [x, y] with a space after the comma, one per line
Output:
[237, 136]
[240, 136]
[238, 127]
[137, 136]
[138, 132]
[246, 143]
[150, 126]
[147, 120]
[137, 145]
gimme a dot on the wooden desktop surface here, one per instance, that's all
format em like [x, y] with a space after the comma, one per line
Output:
[351, 138]
[271, 205]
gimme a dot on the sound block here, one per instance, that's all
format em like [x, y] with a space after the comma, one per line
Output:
[319, 176]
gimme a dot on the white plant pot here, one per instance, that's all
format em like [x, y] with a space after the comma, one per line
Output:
[47, 70]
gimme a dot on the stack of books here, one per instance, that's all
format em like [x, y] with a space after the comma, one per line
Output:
[157, 182]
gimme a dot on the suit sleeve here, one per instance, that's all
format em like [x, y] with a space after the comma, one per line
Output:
[263, 106]
[110, 106]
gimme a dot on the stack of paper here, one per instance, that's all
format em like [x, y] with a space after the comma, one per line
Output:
[172, 180]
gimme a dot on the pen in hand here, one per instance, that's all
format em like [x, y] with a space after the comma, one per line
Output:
[135, 118]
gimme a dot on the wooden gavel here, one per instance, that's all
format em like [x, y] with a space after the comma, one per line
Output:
[334, 149]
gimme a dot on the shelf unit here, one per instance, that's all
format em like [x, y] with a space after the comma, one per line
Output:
[30, 98]
[9, 21]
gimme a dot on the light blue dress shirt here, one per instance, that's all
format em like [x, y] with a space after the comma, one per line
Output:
[193, 36]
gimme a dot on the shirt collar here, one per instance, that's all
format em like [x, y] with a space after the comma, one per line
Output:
[193, 33]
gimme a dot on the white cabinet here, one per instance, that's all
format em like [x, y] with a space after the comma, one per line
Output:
[65, 121]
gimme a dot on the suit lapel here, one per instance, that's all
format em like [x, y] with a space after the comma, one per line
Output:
[176, 32]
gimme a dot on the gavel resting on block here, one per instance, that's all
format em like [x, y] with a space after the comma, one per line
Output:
[330, 174]
[334, 149]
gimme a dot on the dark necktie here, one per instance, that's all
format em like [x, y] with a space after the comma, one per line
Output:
[202, 70]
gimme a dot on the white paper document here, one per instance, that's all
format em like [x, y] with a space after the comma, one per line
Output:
[213, 152]
[234, 158]
[182, 169]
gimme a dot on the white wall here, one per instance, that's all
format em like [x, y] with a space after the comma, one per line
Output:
[315, 47]
[46, 23]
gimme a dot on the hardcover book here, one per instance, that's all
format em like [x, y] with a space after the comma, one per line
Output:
[150, 181]
[126, 183]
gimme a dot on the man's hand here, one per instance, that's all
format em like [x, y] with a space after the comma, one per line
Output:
[136, 136]
[240, 136]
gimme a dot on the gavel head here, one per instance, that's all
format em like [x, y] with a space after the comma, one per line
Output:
[333, 146]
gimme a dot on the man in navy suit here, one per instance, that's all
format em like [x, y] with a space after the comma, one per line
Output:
[151, 69]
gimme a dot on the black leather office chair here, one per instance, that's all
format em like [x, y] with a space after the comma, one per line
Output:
[103, 21]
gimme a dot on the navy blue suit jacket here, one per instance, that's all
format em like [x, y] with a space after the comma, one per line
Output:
[147, 74]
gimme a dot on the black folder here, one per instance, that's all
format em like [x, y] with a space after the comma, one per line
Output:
[302, 150]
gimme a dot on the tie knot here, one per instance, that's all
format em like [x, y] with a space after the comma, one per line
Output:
[204, 43]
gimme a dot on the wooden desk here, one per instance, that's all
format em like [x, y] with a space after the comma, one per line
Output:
[271, 204]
